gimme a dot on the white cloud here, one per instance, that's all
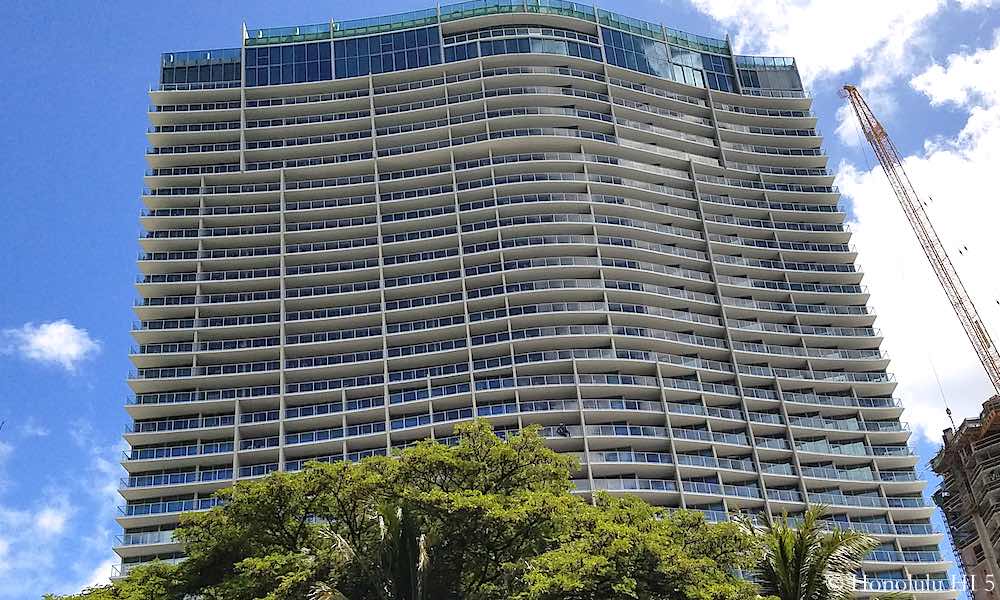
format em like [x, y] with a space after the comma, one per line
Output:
[44, 544]
[51, 520]
[958, 173]
[6, 450]
[59, 342]
[965, 80]
[32, 428]
[828, 39]
[101, 575]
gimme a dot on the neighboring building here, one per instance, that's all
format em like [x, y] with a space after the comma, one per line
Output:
[969, 466]
[361, 233]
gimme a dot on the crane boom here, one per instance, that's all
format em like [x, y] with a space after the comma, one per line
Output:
[931, 244]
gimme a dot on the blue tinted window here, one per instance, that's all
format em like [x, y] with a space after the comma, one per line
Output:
[387, 52]
[213, 70]
[680, 64]
[718, 72]
[636, 52]
[295, 63]
[521, 46]
[749, 78]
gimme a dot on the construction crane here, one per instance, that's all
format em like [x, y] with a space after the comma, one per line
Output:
[931, 244]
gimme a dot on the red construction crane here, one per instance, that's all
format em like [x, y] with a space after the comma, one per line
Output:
[952, 284]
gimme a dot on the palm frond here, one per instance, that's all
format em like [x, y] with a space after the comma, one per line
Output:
[805, 562]
[325, 591]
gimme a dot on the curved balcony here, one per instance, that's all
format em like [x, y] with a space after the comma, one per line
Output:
[149, 513]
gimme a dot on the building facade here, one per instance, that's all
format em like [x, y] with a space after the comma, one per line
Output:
[969, 496]
[361, 233]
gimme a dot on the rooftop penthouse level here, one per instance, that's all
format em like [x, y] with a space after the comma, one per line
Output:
[344, 49]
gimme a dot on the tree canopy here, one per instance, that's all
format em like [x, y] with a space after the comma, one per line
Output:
[487, 518]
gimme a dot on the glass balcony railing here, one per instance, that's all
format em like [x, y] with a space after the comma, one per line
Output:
[308, 99]
[298, 464]
[784, 495]
[832, 473]
[772, 443]
[855, 449]
[875, 528]
[710, 436]
[786, 265]
[144, 538]
[771, 150]
[140, 481]
[778, 131]
[172, 506]
[777, 468]
[696, 460]
[124, 569]
[821, 353]
[841, 400]
[183, 424]
[279, 35]
[766, 204]
[630, 457]
[714, 489]
[163, 452]
[764, 112]
[904, 556]
[631, 485]
[830, 376]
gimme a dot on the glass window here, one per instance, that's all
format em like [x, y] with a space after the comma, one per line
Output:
[388, 52]
[634, 52]
[718, 72]
[295, 63]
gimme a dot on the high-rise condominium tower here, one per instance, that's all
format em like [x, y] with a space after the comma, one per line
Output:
[361, 233]
[969, 495]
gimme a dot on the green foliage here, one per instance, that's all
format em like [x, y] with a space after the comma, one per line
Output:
[486, 519]
[155, 581]
[807, 563]
[625, 548]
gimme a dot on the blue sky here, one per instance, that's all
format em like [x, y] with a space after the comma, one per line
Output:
[72, 118]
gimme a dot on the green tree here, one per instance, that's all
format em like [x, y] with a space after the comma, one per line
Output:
[485, 519]
[624, 548]
[155, 581]
[806, 562]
